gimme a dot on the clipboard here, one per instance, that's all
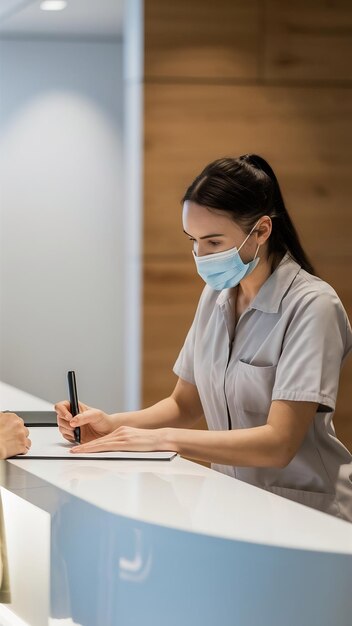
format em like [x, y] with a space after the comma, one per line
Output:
[36, 418]
[48, 443]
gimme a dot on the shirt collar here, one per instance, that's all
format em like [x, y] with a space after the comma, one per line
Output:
[271, 293]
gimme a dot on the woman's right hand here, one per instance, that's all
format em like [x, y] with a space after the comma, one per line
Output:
[92, 422]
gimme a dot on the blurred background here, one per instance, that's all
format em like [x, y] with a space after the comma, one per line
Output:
[70, 124]
[105, 117]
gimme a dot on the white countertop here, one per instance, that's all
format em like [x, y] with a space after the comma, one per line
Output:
[184, 495]
[12, 398]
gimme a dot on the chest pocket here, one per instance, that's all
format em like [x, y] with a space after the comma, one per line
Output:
[253, 390]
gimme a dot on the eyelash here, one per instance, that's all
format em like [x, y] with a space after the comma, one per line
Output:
[213, 243]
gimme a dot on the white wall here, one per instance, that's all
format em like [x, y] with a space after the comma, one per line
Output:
[62, 218]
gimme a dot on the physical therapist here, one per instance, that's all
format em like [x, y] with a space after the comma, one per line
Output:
[262, 358]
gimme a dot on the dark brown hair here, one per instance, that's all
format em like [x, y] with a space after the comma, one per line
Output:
[247, 188]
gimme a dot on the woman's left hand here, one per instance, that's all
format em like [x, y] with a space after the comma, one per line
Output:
[126, 438]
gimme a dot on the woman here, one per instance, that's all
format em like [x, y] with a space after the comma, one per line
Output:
[262, 358]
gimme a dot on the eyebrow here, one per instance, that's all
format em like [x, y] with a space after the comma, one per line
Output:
[205, 236]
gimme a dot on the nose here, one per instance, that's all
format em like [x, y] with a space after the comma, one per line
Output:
[199, 249]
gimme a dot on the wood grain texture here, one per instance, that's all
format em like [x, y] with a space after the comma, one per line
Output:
[308, 40]
[305, 133]
[202, 39]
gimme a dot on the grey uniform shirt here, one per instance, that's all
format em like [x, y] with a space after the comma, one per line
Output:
[288, 345]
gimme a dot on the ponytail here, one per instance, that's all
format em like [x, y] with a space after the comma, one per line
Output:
[284, 237]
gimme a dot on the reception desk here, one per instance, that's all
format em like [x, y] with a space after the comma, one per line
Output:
[164, 543]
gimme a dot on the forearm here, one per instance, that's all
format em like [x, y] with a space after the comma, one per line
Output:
[163, 414]
[256, 447]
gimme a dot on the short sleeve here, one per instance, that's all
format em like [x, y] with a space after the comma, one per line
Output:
[184, 366]
[314, 347]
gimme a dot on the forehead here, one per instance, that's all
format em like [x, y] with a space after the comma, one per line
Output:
[198, 220]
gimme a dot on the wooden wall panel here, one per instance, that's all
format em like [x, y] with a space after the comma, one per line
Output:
[191, 39]
[304, 130]
[305, 133]
[342, 418]
[308, 40]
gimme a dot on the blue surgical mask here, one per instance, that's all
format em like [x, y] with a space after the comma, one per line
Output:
[225, 269]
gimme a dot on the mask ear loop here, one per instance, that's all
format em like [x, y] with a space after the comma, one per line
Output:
[248, 236]
[258, 246]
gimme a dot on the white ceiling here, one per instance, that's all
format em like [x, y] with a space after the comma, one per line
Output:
[102, 18]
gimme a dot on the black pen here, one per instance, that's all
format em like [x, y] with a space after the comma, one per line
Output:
[72, 389]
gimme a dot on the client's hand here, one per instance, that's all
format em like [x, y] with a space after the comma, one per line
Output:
[13, 436]
[129, 439]
[93, 422]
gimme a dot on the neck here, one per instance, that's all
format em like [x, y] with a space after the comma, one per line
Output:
[249, 286]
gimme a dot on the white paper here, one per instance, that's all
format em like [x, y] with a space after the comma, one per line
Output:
[47, 443]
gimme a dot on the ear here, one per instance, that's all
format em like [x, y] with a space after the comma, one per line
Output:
[263, 229]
